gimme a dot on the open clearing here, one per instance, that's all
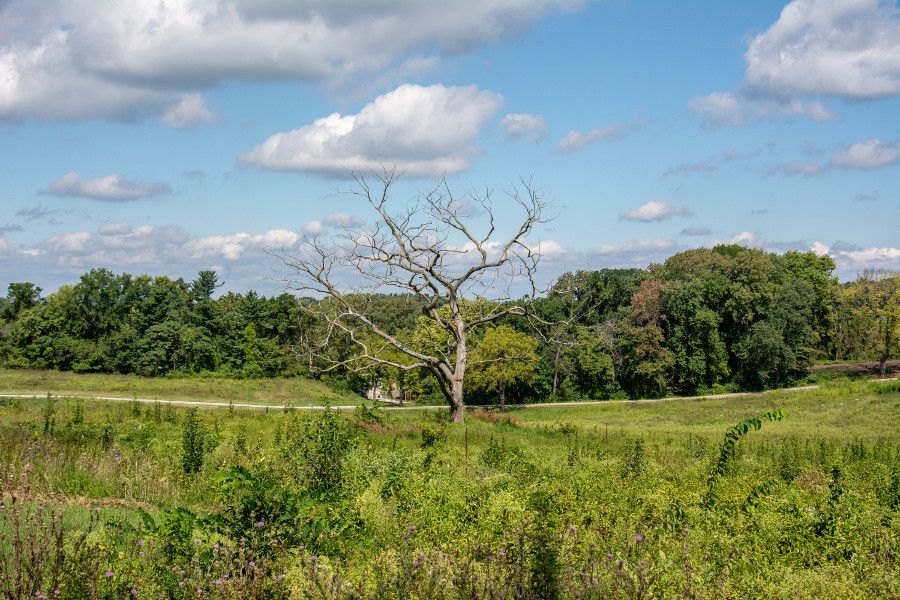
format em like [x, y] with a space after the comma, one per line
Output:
[295, 391]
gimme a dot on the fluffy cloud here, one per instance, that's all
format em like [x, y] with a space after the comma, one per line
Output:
[423, 131]
[848, 50]
[191, 110]
[866, 155]
[576, 140]
[744, 238]
[852, 259]
[110, 187]
[726, 108]
[232, 247]
[524, 127]
[313, 227]
[825, 47]
[719, 108]
[655, 210]
[132, 59]
[242, 258]
[870, 154]
[73, 242]
[334, 220]
[341, 219]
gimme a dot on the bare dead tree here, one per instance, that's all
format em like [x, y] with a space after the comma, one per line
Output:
[440, 248]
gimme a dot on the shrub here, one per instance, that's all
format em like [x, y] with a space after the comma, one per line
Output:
[317, 452]
[192, 443]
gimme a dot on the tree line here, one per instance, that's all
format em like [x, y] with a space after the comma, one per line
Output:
[727, 317]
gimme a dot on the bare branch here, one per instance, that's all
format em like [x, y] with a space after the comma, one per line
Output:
[440, 248]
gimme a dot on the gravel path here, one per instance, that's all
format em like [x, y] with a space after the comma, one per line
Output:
[200, 403]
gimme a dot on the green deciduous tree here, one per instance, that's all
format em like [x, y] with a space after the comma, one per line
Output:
[502, 359]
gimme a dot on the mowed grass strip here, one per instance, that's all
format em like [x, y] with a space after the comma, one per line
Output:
[296, 391]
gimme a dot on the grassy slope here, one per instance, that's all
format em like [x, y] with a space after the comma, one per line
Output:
[148, 475]
[837, 411]
[279, 391]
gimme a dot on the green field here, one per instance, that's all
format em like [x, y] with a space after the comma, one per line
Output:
[281, 391]
[602, 501]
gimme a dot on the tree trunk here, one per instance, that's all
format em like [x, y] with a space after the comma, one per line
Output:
[555, 372]
[457, 408]
[502, 395]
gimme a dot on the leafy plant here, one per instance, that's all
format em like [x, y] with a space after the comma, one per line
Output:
[729, 446]
[192, 443]
[633, 461]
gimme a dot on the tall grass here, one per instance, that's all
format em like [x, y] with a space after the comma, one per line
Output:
[605, 501]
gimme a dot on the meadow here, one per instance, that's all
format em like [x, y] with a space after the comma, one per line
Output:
[277, 391]
[801, 498]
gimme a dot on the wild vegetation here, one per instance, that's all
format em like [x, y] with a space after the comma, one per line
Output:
[787, 494]
[783, 495]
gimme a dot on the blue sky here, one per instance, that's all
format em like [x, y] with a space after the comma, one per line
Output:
[168, 138]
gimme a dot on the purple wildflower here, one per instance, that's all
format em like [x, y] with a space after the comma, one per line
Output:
[261, 524]
[251, 564]
[639, 538]
[109, 574]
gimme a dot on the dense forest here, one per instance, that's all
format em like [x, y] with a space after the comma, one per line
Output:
[724, 318]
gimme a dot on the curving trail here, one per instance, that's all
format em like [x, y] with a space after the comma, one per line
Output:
[201, 403]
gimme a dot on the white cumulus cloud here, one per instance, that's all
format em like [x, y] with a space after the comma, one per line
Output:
[423, 131]
[342, 219]
[849, 49]
[524, 127]
[726, 108]
[816, 48]
[134, 59]
[865, 155]
[870, 154]
[191, 110]
[655, 210]
[576, 140]
[110, 187]
[852, 259]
